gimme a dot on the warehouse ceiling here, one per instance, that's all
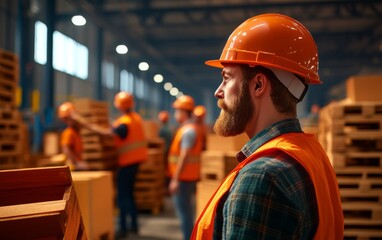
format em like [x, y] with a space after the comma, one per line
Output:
[177, 36]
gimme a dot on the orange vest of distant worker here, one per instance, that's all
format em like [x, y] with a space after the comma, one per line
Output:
[72, 138]
[309, 153]
[132, 149]
[191, 169]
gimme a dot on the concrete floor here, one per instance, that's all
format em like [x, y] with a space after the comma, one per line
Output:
[164, 226]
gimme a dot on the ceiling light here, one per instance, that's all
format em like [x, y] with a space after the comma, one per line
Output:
[143, 66]
[167, 86]
[174, 91]
[121, 49]
[158, 78]
[78, 20]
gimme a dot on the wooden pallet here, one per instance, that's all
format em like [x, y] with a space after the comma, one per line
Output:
[360, 184]
[362, 229]
[356, 195]
[10, 135]
[359, 172]
[354, 124]
[349, 109]
[356, 159]
[216, 165]
[10, 148]
[355, 141]
[362, 210]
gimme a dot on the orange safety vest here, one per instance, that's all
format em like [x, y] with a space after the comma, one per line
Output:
[191, 169]
[132, 149]
[309, 153]
[72, 138]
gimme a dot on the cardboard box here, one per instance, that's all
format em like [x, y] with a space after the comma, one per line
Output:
[95, 196]
[364, 88]
[51, 143]
[219, 143]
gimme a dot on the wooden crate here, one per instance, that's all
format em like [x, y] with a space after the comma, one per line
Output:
[39, 203]
[215, 165]
[95, 194]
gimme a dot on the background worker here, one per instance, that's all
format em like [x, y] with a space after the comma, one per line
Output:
[284, 186]
[165, 131]
[200, 117]
[71, 143]
[184, 163]
[132, 150]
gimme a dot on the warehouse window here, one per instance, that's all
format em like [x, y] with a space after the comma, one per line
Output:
[40, 38]
[126, 81]
[140, 88]
[70, 56]
[108, 77]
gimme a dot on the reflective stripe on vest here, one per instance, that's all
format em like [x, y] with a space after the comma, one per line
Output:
[309, 153]
[131, 146]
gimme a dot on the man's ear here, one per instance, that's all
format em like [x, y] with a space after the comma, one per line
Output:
[260, 83]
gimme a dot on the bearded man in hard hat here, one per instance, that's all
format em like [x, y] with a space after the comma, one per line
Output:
[284, 186]
[132, 151]
[70, 140]
[184, 163]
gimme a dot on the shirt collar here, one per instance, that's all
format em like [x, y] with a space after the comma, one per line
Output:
[275, 130]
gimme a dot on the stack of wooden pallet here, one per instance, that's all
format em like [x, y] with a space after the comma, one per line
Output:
[216, 162]
[215, 165]
[12, 128]
[98, 151]
[351, 134]
[150, 184]
[39, 203]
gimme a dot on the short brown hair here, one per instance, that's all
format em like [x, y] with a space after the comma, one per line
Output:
[283, 100]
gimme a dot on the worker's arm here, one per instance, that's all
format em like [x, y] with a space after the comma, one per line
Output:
[174, 184]
[72, 158]
[108, 131]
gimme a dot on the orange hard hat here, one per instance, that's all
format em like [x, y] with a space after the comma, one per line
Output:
[200, 111]
[275, 41]
[163, 116]
[123, 101]
[65, 109]
[184, 103]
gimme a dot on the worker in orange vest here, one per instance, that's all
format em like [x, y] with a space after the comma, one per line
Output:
[132, 150]
[184, 163]
[70, 140]
[200, 117]
[284, 186]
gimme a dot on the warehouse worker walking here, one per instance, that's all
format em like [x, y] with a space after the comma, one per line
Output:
[283, 186]
[132, 150]
[165, 131]
[184, 163]
[70, 141]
